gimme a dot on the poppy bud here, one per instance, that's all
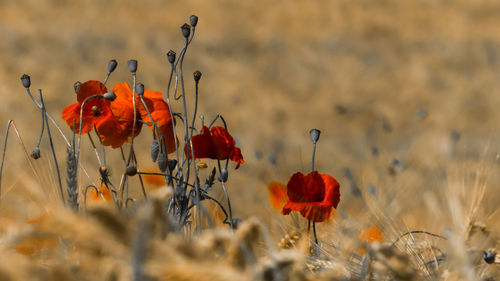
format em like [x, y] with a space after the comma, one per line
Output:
[489, 257]
[131, 170]
[139, 89]
[193, 20]
[172, 164]
[76, 86]
[132, 65]
[162, 163]
[35, 154]
[155, 149]
[171, 56]
[186, 30]
[110, 96]
[103, 170]
[314, 134]
[112, 65]
[26, 80]
[197, 75]
[224, 174]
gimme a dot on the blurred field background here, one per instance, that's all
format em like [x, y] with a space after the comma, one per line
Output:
[412, 81]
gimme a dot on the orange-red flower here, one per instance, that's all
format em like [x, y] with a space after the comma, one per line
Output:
[94, 111]
[113, 120]
[314, 196]
[371, 235]
[158, 109]
[277, 194]
[117, 127]
[218, 144]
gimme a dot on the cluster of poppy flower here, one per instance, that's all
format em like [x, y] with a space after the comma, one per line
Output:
[113, 120]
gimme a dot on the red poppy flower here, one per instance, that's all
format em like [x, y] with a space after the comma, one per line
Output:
[157, 107]
[277, 194]
[117, 127]
[314, 196]
[218, 144]
[94, 111]
[113, 120]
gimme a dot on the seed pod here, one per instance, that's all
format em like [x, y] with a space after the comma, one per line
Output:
[171, 56]
[197, 75]
[172, 164]
[139, 89]
[224, 174]
[155, 149]
[110, 96]
[193, 20]
[162, 162]
[186, 30]
[132, 65]
[112, 65]
[35, 154]
[489, 257]
[26, 80]
[131, 170]
[76, 86]
[314, 134]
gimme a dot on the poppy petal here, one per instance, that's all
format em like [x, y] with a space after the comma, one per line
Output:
[90, 88]
[277, 195]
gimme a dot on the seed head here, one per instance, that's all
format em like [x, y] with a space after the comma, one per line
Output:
[171, 56]
[76, 86]
[193, 20]
[314, 134]
[489, 257]
[224, 174]
[162, 162]
[132, 65]
[155, 149]
[186, 30]
[131, 170]
[139, 89]
[110, 96]
[197, 75]
[35, 154]
[172, 164]
[112, 65]
[95, 110]
[26, 80]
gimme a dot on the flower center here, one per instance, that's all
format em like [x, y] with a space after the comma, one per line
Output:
[95, 111]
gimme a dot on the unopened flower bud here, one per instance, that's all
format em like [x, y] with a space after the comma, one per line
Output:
[110, 96]
[224, 174]
[112, 65]
[314, 134]
[489, 257]
[132, 65]
[171, 56]
[162, 162]
[139, 89]
[172, 164]
[131, 170]
[35, 154]
[186, 30]
[76, 86]
[193, 20]
[26, 80]
[197, 75]
[155, 149]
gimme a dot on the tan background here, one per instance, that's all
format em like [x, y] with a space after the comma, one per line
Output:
[401, 76]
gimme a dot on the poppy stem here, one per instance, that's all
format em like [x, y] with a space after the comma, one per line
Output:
[95, 149]
[313, 156]
[52, 147]
[227, 198]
